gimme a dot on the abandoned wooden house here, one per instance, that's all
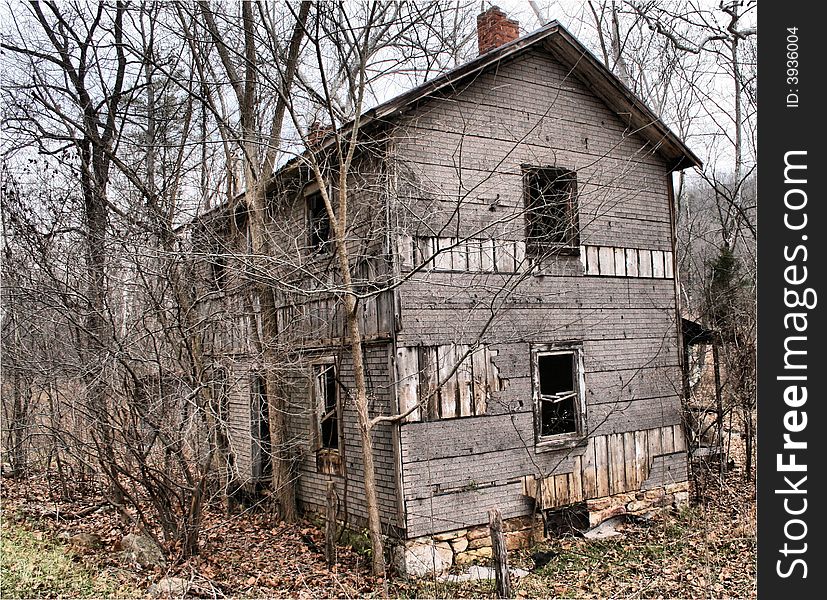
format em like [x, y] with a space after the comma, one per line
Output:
[514, 231]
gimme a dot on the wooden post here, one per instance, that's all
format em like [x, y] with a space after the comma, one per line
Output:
[500, 554]
[330, 526]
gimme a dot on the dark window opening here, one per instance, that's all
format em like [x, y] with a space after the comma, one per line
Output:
[551, 210]
[220, 394]
[318, 223]
[327, 398]
[557, 376]
[260, 427]
[218, 271]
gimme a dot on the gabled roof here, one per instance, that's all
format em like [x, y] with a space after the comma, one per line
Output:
[555, 39]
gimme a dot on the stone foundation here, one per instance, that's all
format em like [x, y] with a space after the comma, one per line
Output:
[635, 503]
[435, 555]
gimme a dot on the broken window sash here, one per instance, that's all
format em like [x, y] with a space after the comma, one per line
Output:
[327, 402]
[557, 390]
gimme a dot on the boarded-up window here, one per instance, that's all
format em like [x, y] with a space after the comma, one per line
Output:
[558, 400]
[318, 223]
[551, 211]
[260, 427]
[447, 381]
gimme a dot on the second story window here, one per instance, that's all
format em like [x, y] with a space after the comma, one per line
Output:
[551, 211]
[318, 223]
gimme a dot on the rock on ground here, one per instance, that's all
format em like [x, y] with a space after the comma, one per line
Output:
[169, 587]
[143, 550]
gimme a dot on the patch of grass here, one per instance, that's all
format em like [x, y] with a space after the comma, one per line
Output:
[39, 568]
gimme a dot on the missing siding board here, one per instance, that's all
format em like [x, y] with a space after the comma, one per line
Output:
[447, 381]
[466, 256]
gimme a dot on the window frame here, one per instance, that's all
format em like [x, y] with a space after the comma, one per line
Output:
[563, 439]
[538, 248]
[328, 458]
[262, 446]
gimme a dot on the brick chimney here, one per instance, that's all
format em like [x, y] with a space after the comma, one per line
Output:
[316, 134]
[494, 29]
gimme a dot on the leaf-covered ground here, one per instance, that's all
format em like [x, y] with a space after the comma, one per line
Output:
[706, 550]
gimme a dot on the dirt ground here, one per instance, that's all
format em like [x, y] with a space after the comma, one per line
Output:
[704, 550]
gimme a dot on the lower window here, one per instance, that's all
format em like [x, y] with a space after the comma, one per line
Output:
[328, 418]
[558, 399]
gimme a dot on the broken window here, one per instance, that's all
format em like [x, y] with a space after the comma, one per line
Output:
[318, 223]
[558, 405]
[551, 211]
[328, 419]
[260, 427]
[327, 401]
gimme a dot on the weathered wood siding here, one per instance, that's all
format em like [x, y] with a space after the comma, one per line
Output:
[312, 483]
[461, 247]
[310, 323]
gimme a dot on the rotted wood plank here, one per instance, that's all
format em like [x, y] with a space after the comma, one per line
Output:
[617, 463]
[601, 463]
[655, 446]
[465, 383]
[448, 405]
[620, 262]
[631, 262]
[576, 481]
[645, 264]
[428, 369]
[592, 260]
[630, 467]
[667, 438]
[562, 495]
[657, 264]
[607, 260]
[641, 456]
[479, 369]
[680, 440]
[407, 369]
[588, 472]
